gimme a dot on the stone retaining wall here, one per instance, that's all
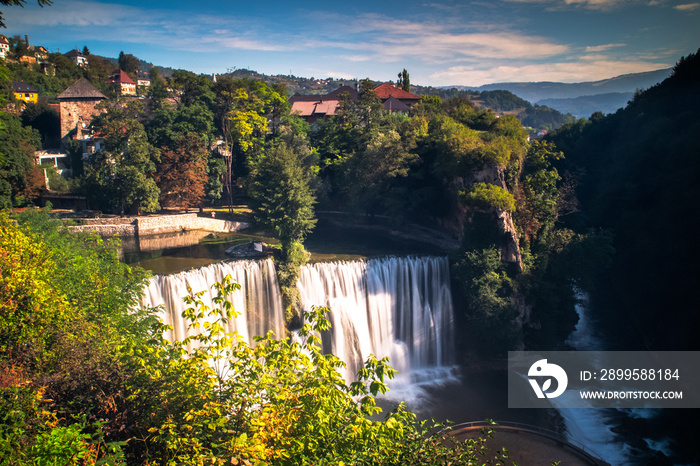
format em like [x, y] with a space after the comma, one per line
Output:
[162, 224]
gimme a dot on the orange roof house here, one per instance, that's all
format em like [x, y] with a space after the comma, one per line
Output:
[313, 107]
[392, 96]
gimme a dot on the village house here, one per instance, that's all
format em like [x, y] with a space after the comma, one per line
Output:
[396, 99]
[313, 107]
[78, 58]
[4, 46]
[24, 92]
[142, 79]
[122, 83]
[77, 107]
[40, 52]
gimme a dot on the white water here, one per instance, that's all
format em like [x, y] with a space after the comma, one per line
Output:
[397, 307]
[258, 302]
[591, 427]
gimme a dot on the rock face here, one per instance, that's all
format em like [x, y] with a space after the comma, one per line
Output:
[510, 250]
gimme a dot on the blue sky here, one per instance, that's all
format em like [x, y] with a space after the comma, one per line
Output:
[439, 43]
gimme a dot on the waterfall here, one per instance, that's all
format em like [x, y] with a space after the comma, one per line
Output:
[396, 307]
[258, 302]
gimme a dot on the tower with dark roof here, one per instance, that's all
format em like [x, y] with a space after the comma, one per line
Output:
[77, 104]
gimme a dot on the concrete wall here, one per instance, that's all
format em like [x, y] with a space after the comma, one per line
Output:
[161, 224]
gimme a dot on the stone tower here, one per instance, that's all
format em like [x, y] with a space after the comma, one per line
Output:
[77, 108]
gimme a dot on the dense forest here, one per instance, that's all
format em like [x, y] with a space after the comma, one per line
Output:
[636, 175]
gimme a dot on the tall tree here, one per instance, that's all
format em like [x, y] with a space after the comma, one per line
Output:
[281, 195]
[404, 81]
[283, 202]
[20, 178]
[182, 172]
[128, 63]
[120, 177]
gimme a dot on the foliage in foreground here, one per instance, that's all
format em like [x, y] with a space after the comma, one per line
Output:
[99, 384]
[222, 400]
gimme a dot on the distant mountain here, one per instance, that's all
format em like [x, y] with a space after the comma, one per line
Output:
[584, 106]
[537, 91]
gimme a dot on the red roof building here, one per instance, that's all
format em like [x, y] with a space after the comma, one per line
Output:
[313, 107]
[388, 92]
[122, 83]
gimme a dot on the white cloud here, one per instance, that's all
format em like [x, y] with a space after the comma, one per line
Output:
[356, 58]
[559, 72]
[588, 4]
[338, 75]
[687, 7]
[602, 48]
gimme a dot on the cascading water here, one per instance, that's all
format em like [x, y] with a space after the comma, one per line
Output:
[397, 307]
[258, 302]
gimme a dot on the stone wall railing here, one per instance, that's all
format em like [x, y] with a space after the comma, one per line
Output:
[162, 224]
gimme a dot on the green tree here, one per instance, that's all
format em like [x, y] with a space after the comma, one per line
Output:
[281, 195]
[20, 178]
[404, 81]
[283, 202]
[489, 296]
[387, 156]
[538, 194]
[120, 177]
[488, 196]
[44, 119]
[128, 63]
[273, 402]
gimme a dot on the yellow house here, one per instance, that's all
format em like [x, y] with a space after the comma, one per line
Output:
[24, 92]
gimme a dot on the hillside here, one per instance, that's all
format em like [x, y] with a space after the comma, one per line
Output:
[536, 91]
[585, 105]
[637, 176]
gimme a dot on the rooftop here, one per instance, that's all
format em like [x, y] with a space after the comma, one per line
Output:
[82, 88]
[119, 76]
[18, 86]
[386, 90]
